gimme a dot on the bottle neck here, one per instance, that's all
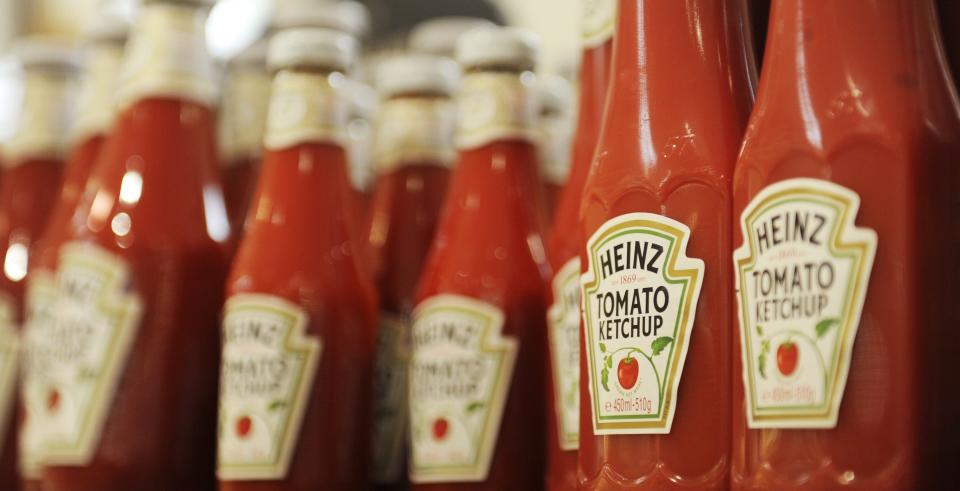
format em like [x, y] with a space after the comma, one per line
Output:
[415, 130]
[825, 57]
[307, 107]
[679, 64]
[243, 114]
[496, 106]
[44, 117]
[96, 108]
[167, 57]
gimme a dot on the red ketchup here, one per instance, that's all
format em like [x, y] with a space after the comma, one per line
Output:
[133, 342]
[413, 152]
[477, 394]
[297, 297]
[655, 217]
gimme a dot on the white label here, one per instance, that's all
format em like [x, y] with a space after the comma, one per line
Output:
[307, 108]
[268, 369]
[44, 118]
[563, 329]
[38, 400]
[167, 57]
[460, 373]
[496, 106]
[415, 130]
[9, 363]
[599, 21]
[243, 115]
[96, 102]
[390, 399]
[96, 320]
[640, 296]
[802, 276]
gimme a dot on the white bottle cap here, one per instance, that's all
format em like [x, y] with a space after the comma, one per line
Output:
[107, 27]
[45, 52]
[498, 46]
[439, 36]
[348, 17]
[414, 73]
[311, 47]
[556, 95]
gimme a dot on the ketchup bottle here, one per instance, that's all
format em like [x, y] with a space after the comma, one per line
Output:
[134, 348]
[847, 233]
[656, 219]
[563, 251]
[414, 152]
[555, 136]
[95, 114]
[32, 168]
[363, 108]
[297, 297]
[478, 336]
[243, 115]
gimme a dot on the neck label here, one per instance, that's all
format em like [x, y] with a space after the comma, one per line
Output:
[802, 276]
[44, 118]
[244, 114]
[307, 108]
[96, 110]
[415, 130]
[460, 374]
[496, 106]
[640, 295]
[268, 369]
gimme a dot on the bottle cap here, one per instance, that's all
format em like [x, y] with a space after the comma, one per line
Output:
[439, 36]
[498, 46]
[415, 73]
[348, 17]
[311, 47]
[107, 27]
[45, 52]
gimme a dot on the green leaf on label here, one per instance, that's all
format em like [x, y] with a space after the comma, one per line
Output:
[764, 349]
[87, 373]
[759, 330]
[824, 325]
[603, 348]
[604, 378]
[608, 361]
[660, 343]
[474, 406]
[277, 404]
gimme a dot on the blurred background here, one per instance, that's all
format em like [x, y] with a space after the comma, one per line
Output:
[234, 24]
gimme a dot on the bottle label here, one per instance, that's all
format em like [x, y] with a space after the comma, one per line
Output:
[44, 118]
[390, 399]
[640, 295]
[307, 108]
[95, 323]
[802, 275]
[244, 113]
[599, 21]
[460, 374]
[268, 370]
[496, 106]
[95, 108]
[563, 330]
[9, 364]
[167, 56]
[39, 299]
[415, 130]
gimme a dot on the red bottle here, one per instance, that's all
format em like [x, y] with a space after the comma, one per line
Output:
[32, 169]
[133, 344]
[656, 217]
[243, 115]
[413, 152]
[95, 116]
[478, 335]
[563, 251]
[297, 297]
[846, 207]
[556, 132]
